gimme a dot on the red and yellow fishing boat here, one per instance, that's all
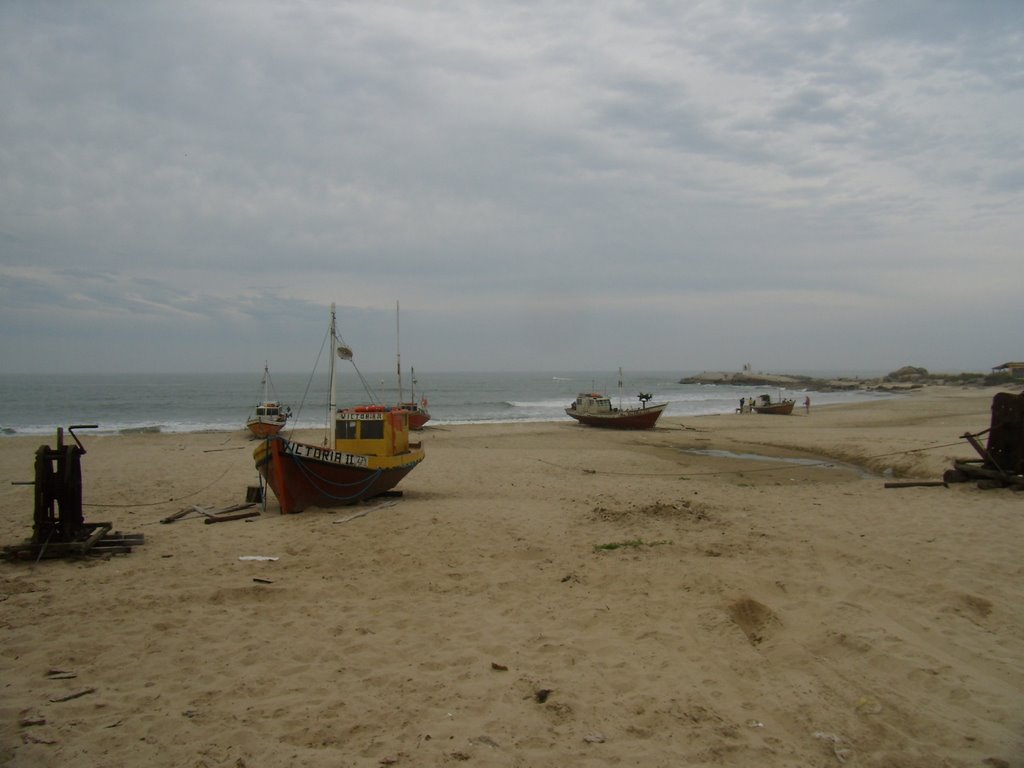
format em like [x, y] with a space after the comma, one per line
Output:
[366, 453]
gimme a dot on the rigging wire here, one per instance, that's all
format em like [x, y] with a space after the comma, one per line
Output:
[309, 381]
[366, 386]
[327, 340]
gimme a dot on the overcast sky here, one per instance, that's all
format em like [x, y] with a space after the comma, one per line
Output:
[804, 186]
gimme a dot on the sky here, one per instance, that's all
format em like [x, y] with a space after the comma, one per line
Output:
[806, 186]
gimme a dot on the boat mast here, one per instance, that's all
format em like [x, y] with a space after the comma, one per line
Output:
[620, 387]
[332, 406]
[266, 374]
[398, 353]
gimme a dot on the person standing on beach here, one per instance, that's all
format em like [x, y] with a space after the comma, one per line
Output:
[807, 404]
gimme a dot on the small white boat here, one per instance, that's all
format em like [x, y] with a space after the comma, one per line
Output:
[269, 416]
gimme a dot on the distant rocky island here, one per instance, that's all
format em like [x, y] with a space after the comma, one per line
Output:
[907, 377]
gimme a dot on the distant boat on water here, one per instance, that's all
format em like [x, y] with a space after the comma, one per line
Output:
[269, 416]
[596, 410]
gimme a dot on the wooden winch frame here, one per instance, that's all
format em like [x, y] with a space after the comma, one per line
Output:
[59, 528]
[1002, 457]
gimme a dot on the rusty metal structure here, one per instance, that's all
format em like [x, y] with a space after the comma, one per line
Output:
[1002, 457]
[59, 528]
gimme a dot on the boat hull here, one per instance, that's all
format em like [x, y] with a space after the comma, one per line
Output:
[634, 418]
[780, 409]
[303, 476]
[418, 418]
[263, 429]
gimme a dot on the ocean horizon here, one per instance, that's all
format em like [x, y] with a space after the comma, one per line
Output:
[204, 402]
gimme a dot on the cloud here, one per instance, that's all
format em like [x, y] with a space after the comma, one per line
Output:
[539, 185]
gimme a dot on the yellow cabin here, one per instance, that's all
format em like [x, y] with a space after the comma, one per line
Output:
[372, 430]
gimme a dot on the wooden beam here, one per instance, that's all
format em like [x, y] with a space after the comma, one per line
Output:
[225, 518]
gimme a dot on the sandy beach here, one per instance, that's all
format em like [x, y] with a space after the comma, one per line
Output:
[541, 595]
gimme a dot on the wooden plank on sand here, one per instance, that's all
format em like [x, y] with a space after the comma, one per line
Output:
[177, 515]
[225, 517]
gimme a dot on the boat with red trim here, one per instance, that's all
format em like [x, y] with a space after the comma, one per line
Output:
[418, 413]
[596, 410]
[367, 452]
[270, 415]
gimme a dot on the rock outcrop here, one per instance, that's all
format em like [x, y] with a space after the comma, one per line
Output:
[902, 379]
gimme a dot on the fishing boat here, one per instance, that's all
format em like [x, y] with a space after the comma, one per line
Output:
[366, 452]
[781, 407]
[418, 413]
[596, 410]
[269, 416]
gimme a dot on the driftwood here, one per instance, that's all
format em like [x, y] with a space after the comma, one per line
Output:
[223, 510]
[70, 696]
[176, 516]
[923, 484]
[212, 515]
[223, 518]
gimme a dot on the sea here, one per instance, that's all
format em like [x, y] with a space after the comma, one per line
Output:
[32, 404]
